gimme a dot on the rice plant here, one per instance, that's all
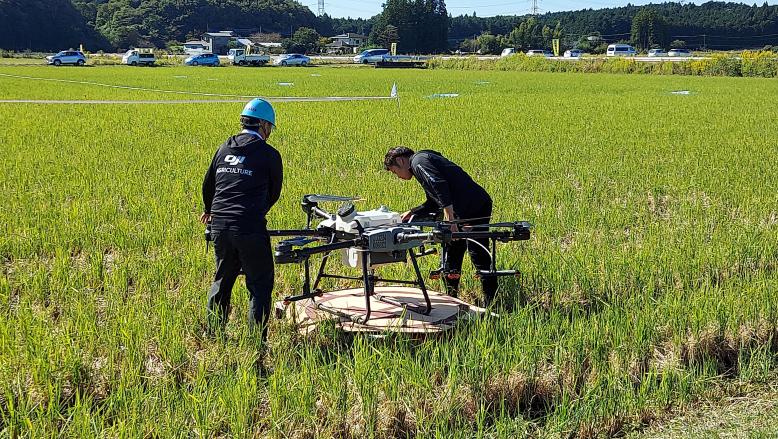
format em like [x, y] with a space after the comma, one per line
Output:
[648, 284]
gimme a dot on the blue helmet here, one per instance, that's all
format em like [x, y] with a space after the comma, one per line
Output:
[260, 109]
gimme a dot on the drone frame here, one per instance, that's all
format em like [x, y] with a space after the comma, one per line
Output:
[295, 250]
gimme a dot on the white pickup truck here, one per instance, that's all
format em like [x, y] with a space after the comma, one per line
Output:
[239, 57]
[139, 57]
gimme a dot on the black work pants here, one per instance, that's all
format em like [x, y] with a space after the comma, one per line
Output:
[250, 251]
[478, 255]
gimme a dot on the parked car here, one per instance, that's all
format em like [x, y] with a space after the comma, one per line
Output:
[371, 56]
[657, 52]
[292, 59]
[573, 53]
[539, 53]
[139, 57]
[205, 59]
[679, 52]
[508, 51]
[620, 50]
[67, 57]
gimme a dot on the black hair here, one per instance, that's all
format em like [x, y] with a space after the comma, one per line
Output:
[390, 159]
[249, 122]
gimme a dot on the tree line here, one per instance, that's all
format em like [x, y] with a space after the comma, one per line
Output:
[419, 26]
[711, 25]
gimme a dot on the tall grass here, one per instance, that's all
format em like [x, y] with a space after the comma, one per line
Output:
[759, 64]
[650, 279]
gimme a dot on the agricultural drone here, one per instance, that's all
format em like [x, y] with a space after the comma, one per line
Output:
[373, 238]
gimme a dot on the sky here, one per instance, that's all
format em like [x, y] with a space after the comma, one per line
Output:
[482, 8]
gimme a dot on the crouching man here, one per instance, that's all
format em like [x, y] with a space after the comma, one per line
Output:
[452, 190]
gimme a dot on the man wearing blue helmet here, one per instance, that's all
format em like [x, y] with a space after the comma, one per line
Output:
[241, 185]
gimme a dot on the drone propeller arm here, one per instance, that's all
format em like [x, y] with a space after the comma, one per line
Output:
[298, 232]
[285, 253]
[518, 232]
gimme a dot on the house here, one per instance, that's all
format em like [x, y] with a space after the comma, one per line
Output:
[346, 43]
[219, 42]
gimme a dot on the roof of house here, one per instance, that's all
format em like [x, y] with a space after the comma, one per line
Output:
[341, 43]
[200, 42]
[219, 34]
[348, 35]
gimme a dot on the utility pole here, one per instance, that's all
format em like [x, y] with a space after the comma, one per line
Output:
[321, 8]
[535, 8]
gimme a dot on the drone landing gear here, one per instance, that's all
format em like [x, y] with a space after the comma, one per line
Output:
[369, 281]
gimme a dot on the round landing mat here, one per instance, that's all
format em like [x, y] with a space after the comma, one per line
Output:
[385, 317]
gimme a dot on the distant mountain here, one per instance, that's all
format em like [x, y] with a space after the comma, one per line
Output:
[45, 25]
[120, 24]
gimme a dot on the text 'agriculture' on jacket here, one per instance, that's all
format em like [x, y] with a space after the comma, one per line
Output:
[242, 183]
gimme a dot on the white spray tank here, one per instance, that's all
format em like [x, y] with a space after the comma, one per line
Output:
[349, 220]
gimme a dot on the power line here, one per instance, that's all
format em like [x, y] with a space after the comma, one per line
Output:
[535, 8]
[480, 6]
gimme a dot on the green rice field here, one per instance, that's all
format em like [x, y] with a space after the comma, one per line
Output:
[649, 284]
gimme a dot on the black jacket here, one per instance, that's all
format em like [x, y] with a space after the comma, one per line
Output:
[242, 184]
[445, 183]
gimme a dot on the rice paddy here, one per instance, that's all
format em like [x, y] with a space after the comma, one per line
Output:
[649, 282]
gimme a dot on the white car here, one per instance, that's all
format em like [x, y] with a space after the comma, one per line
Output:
[292, 59]
[545, 53]
[620, 50]
[573, 53]
[679, 52]
[508, 51]
[657, 52]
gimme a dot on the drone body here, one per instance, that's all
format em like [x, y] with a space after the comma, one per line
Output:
[379, 228]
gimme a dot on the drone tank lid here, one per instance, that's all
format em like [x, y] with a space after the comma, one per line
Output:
[347, 211]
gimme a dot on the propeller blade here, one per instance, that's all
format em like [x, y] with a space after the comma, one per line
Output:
[317, 198]
[507, 224]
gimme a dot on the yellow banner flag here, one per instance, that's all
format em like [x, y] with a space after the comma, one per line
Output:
[394, 49]
[555, 43]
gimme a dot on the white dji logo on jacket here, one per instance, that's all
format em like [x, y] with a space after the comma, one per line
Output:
[234, 160]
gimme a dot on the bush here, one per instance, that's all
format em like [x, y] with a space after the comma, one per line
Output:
[760, 63]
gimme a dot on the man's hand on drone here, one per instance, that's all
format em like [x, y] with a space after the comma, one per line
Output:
[406, 216]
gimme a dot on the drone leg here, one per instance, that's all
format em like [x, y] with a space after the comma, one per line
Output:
[444, 266]
[366, 278]
[494, 255]
[421, 282]
[321, 271]
[307, 282]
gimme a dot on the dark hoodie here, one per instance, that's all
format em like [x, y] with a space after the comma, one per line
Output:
[446, 184]
[242, 184]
